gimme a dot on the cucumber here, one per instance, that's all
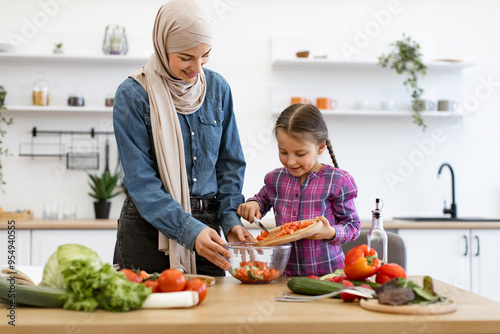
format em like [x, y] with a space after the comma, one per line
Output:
[372, 284]
[30, 295]
[311, 286]
[251, 275]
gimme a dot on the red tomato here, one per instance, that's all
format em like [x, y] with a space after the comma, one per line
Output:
[389, 271]
[199, 286]
[313, 277]
[347, 297]
[171, 280]
[131, 275]
[153, 285]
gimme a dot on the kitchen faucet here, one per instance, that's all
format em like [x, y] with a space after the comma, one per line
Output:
[453, 209]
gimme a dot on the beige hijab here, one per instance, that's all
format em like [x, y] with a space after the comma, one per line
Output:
[180, 25]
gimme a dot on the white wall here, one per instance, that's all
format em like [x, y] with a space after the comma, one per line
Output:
[368, 147]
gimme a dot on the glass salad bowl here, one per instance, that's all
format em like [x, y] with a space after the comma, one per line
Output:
[257, 264]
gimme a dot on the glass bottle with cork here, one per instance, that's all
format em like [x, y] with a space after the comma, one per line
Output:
[40, 91]
[377, 236]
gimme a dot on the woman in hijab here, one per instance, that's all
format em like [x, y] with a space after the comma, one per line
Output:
[180, 150]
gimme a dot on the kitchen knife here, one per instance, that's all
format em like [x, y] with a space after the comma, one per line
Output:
[255, 220]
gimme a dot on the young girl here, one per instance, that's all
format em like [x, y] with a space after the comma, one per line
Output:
[306, 189]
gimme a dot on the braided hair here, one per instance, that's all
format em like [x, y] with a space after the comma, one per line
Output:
[305, 119]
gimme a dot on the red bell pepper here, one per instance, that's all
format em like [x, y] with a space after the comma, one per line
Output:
[361, 262]
[389, 271]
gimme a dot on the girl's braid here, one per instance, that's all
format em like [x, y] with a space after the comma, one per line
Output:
[332, 154]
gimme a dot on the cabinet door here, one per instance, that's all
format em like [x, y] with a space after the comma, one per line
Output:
[442, 254]
[20, 241]
[45, 243]
[485, 267]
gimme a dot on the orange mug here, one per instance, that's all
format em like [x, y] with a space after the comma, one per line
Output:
[298, 99]
[326, 103]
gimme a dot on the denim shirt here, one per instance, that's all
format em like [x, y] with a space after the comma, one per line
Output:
[214, 159]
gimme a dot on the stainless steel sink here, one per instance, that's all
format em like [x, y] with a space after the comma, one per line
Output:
[445, 219]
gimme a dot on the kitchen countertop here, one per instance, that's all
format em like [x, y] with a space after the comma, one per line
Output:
[268, 222]
[233, 307]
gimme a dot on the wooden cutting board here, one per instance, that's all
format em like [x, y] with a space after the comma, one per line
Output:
[437, 308]
[270, 240]
[208, 280]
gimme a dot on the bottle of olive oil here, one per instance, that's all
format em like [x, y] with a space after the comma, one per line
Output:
[377, 237]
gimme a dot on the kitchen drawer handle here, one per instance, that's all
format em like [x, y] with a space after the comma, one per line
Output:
[466, 246]
[477, 240]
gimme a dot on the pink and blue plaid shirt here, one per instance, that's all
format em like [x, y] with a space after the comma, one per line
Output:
[329, 192]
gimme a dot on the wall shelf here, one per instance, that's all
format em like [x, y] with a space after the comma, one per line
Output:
[329, 63]
[388, 113]
[64, 109]
[68, 58]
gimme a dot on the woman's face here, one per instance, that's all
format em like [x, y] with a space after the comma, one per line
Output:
[186, 65]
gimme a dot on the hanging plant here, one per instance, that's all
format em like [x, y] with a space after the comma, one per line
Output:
[3, 121]
[406, 59]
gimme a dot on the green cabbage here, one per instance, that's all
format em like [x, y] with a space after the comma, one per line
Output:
[89, 283]
[62, 258]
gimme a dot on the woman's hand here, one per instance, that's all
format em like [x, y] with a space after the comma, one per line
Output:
[326, 232]
[249, 210]
[209, 245]
[239, 233]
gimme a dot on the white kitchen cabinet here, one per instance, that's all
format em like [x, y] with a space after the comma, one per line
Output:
[463, 257]
[485, 266]
[45, 242]
[439, 253]
[21, 241]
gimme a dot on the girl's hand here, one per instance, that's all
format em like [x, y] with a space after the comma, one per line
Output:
[209, 245]
[326, 232]
[249, 210]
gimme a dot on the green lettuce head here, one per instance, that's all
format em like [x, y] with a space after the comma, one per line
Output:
[61, 260]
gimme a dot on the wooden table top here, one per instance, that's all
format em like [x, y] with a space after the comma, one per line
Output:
[233, 307]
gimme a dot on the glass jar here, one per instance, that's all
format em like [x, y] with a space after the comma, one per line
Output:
[40, 91]
[76, 97]
[110, 98]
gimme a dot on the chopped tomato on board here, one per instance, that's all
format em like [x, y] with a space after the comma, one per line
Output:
[263, 234]
[292, 227]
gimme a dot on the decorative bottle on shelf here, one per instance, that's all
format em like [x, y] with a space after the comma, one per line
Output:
[40, 91]
[377, 237]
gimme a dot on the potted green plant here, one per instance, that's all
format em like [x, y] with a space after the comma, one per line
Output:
[58, 48]
[406, 59]
[103, 188]
[6, 121]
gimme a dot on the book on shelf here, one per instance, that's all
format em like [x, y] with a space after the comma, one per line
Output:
[24, 275]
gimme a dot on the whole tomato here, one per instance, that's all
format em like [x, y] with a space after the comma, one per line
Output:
[171, 280]
[347, 297]
[153, 284]
[199, 286]
[389, 271]
[131, 275]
